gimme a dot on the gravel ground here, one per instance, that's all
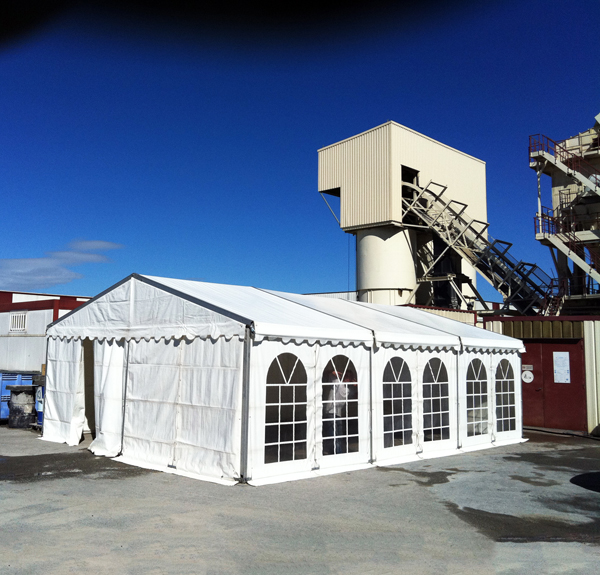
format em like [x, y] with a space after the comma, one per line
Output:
[533, 506]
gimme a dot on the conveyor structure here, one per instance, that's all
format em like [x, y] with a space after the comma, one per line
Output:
[525, 286]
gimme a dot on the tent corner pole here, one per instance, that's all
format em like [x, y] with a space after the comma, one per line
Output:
[245, 404]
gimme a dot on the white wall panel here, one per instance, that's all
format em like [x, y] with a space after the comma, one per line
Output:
[360, 166]
[368, 170]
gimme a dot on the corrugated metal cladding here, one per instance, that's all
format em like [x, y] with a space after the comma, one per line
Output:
[368, 168]
[360, 167]
[467, 317]
[532, 329]
[463, 175]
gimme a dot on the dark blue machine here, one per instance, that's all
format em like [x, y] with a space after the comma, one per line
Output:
[11, 379]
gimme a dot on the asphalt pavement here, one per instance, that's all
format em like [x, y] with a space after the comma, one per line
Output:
[527, 508]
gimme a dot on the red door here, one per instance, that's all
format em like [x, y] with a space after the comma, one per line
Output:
[533, 389]
[555, 398]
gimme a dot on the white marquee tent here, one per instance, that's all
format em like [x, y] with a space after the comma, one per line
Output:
[231, 383]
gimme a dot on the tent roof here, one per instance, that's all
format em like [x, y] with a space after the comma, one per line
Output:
[470, 336]
[271, 316]
[405, 325]
[385, 328]
[191, 308]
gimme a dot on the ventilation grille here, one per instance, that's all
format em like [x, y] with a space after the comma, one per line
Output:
[18, 322]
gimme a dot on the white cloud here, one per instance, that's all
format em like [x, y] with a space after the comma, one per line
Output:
[93, 245]
[32, 274]
[75, 258]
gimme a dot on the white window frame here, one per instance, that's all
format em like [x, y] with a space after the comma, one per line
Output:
[467, 441]
[449, 358]
[505, 394]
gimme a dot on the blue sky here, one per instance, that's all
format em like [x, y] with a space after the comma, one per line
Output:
[177, 151]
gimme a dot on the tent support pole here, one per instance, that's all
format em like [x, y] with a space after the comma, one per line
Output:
[245, 405]
[458, 387]
[125, 378]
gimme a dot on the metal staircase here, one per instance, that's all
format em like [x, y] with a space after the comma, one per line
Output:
[524, 285]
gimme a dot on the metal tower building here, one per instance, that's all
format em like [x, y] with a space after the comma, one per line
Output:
[418, 210]
[571, 227]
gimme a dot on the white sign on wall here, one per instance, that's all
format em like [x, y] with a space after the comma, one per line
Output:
[562, 368]
[527, 376]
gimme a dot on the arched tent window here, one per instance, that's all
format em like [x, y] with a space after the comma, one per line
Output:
[340, 407]
[436, 401]
[285, 420]
[505, 397]
[397, 403]
[477, 399]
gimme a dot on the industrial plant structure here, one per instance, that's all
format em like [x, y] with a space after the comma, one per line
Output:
[418, 210]
[571, 227]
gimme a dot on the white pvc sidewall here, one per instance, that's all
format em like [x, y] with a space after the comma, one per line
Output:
[315, 359]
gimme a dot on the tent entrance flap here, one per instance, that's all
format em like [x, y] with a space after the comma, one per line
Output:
[64, 409]
[109, 395]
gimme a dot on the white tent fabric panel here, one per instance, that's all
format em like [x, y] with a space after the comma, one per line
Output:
[64, 406]
[109, 384]
[507, 386]
[149, 429]
[183, 405]
[209, 430]
[359, 358]
[137, 310]
[387, 328]
[471, 336]
[272, 316]
[434, 372]
[477, 414]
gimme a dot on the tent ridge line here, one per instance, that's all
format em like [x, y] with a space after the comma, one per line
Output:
[173, 291]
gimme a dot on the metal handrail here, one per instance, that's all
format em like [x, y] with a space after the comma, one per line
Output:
[567, 225]
[541, 143]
